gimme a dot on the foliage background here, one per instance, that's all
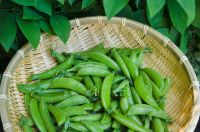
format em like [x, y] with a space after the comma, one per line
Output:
[25, 20]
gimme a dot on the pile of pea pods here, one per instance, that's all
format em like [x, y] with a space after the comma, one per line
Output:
[101, 89]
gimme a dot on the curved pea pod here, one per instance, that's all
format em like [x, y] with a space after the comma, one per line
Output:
[89, 64]
[114, 106]
[106, 118]
[144, 109]
[165, 88]
[121, 63]
[26, 123]
[77, 78]
[124, 51]
[155, 76]
[120, 87]
[157, 125]
[136, 97]
[35, 114]
[53, 98]
[73, 100]
[46, 116]
[140, 58]
[99, 57]
[79, 127]
[136, 119]
[133, 57]
[116, 125]
[126, 121]
[155, 91]
[143, 92]
[147, 81]
[70, 84]
[90, 85]
[59, 57]
[98, 106]
[127, 93]
[131, 67]
[75, 111]
[124, 105]
[51, 91]
[147, 123]
[38, 86]
[98, 83]
[105, 94]
[93, 71]
[27, 99]
[89, 117]
[92, 126]
[162, 103]
[58, 114]
[118, 78]
[53, 71]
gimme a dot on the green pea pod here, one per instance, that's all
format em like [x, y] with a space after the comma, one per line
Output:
[93, 71]
[75, 111]
[98, 106]
[124, 105]
[116, 124]
[117, 130]
[127, 93]
[147, 81]
[50, 91]
[89, 106]
[131, 67]
[136, 119]
[147, 123]
[124, 51]
[133, 57]
[36, 115]
[121, 63]
[46, 116]
[106, 118]
[155, 91]
[99, 57]
[126, 121]
[27, 128]
[89, 64]
[118, 78]
[140, 58]
[165, 126]
[58, 114]
[114, 105]
[144, 109]
[38, 86]
[70, 84]
[77, 62]
[162, 103]
[25, 123]
[27, 99]
[89, 117]
[120, 87]
[165, 88]
[93, 126]
[98, 83]
[155, 76]
[72, 101]
[89, 83]
[79, 127]
[129, 130]
[53, 98]
[143, 92]
[77, 78]
[106, 90]
[59, 57]
[157, 125]
[53, 71]
[136, 97]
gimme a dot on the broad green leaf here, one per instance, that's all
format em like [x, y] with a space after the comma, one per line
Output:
[61, 27]
[164, 31]
[26, 2]
[156, 19]
[178, 16]
[154, 7]
[189, 7]
[29, 13]
[8, 29]
[184, 42]
[174, 35]
[61, 1]
[140, 16]
[112, 7]
[31, 31]
[71, 2]
[140, 4]
[126, 12]
[86, 3]
[196, 21]
[44, 26]
[44, 6]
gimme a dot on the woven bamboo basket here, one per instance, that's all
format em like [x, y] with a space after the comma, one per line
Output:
[183, 100]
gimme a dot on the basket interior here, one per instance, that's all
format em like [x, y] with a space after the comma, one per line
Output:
[179, 98]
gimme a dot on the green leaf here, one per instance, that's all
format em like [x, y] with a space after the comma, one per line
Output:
[164, 31]
[156, 19]
[26, 2]
[189, 7]
[140, 16]
[184, 42]
[29, 13]
[86, 3]
[61, 26]
[126, 12]
[174, 35]
[196, 21]
[31, 31]
[8, 29]
[178, 16]
[71, 2]
[44, 26]
[112, 7]
[44, 6]
[154, 7]
[61, 1]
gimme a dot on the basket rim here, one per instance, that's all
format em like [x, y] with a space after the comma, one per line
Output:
[189, 127]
